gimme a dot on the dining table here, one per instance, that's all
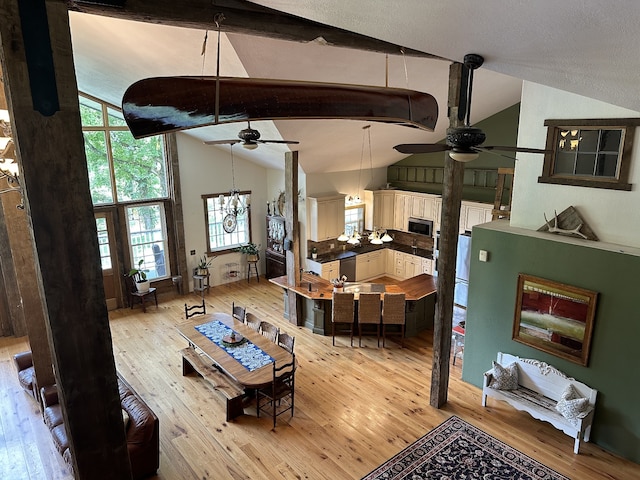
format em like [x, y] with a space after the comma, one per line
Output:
[239, 366]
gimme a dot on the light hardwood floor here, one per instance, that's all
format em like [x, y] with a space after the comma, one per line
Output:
[355, 407]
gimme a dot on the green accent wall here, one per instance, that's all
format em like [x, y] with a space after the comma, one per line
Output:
[615, 348]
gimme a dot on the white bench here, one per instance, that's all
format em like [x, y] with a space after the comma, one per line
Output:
[540, 386]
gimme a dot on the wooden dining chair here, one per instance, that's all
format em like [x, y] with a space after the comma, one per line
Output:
[239, 313]
[278, 397]
[135, 296]
[269, 330]
[369, 313]
[342, 313]
[193, 310]
[252, 321]
[393, 313]
[286, 341]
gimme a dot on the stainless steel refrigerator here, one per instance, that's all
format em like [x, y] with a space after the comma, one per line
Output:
[463, 259]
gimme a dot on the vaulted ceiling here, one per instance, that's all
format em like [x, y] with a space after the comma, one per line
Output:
[587, 49]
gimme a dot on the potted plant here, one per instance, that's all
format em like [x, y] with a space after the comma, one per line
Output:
[251, 250]
[314, 253]
[142, 284]
[203, 265]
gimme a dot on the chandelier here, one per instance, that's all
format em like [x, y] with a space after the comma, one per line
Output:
[354, 237]
[232, 205]
[8, 166]
[379, 236]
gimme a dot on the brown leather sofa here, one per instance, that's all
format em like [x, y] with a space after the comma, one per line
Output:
[26, 373]
[143, 432]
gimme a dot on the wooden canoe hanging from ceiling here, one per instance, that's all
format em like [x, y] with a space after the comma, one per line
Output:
[159, 105]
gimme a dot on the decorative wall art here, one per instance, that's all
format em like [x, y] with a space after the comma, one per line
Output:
[554, 317]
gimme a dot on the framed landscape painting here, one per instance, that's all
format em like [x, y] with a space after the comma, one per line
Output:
[554, 317]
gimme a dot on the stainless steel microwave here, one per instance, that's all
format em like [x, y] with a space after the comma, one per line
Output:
[421, 226]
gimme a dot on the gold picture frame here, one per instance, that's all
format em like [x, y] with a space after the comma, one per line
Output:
[554, 317]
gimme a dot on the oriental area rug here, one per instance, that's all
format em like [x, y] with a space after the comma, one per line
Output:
[456, 450]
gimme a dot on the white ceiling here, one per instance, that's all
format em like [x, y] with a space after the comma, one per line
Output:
[589, 48]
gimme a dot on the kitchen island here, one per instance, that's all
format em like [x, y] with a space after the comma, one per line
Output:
[314, 295]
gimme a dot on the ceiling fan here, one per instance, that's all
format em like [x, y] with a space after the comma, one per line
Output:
[464, 143]
[250, 139]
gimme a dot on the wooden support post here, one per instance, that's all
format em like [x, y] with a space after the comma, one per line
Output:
[40, 78]
[451, 200]
[293, 233]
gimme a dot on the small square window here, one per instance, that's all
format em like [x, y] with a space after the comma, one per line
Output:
[589, 153]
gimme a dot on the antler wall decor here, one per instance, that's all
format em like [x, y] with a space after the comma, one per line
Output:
[562, 231]
[568, 222]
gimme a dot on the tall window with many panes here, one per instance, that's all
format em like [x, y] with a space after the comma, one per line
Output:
[130, 173]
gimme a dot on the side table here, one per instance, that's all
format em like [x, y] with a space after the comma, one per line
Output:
[201, 283]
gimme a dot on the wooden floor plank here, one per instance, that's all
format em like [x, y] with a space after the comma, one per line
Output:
[355, 407]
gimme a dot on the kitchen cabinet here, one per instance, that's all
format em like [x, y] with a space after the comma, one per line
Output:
[276, 265]
[326, 216]
[402, 211]
[383, 201]
[330, 270]
[276, 260]
[408, 265]
[473, 213]
[427, 266]
[390, 261]
[370, 265]
[437, 214]
[423, 206]
[412, 265]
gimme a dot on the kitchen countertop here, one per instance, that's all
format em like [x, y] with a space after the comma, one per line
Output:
[340, 254]
[314, 287]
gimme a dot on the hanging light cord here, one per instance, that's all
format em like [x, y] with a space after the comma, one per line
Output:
[233, 170]
[219, 17]
[406, 80]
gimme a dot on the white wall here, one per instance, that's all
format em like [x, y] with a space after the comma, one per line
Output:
[613, 215]
[207, 170]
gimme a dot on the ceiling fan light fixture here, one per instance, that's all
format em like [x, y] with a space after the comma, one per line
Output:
[463, 157]
[250, 145]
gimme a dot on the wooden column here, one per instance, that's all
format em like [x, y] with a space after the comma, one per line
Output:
[451, 200]
[43, 99]
[293, 233]
[18, 256]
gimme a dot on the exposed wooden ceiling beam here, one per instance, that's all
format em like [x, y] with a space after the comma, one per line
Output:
[240, 17]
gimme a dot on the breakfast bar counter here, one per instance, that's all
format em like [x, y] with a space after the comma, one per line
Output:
[315, 294]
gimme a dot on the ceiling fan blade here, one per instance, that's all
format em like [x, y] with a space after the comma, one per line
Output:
[221, 142]
[422, 147]
[513, 149]
[291, 142]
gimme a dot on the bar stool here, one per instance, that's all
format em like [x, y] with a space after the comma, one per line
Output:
[254, 264]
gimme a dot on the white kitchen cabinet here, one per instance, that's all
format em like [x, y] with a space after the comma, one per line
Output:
[370, 265]
[362, 267]
[330, 270]
[326, 216]
[412, 265]
[390, 261]
[437, 214]
[427, 266]
[398, 269]
[383, 201]
[423, 205]
[473, 213]
[402, 211]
